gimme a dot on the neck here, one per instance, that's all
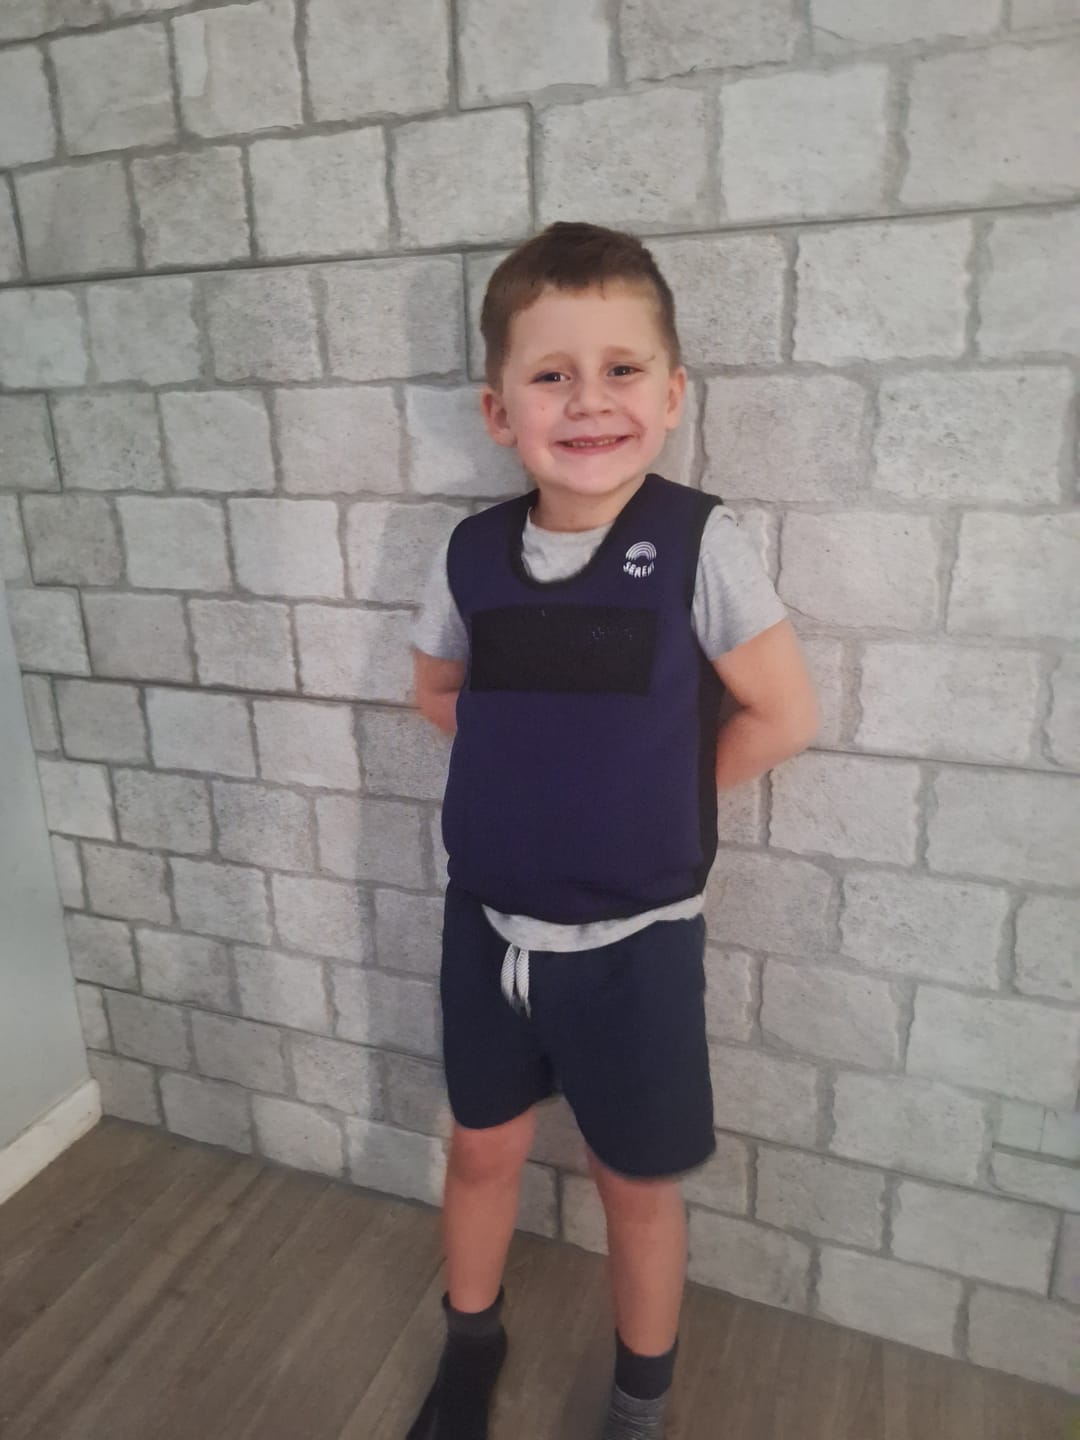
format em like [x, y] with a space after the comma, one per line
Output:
[563, 510]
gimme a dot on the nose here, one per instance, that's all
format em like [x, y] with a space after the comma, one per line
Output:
[588, 396]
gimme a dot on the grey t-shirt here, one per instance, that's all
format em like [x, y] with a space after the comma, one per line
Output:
[734, 600]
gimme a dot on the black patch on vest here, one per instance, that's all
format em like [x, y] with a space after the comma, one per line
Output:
[563, 649]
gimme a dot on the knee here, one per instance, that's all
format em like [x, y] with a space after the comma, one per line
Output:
[494, 1154]
[631, 1200]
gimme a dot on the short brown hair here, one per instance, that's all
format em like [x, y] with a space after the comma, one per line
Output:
[569, 256]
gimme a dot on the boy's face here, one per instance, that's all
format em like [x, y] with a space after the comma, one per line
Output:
[587, 392]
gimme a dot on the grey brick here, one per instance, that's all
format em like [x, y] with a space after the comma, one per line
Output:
[862, 568]
[262, 825]
[282, 989]
[1024, 1336]
[760, 1094]
[952, 701]
[246, 645]
[323, 917]
[293, 1134]
[192, 731]
[207, 1110]
[416, 1095]
[330, 1072]
[68, 868]
[26, 125]
[1061, 1134]
[1043, 12]
[76, 219]
[218, 440]
[729, 994]
[729, 296]
[144, 330]
[841, 25]
[108, 442]
[242, 1051]
[114, 89]
[395, 1161]
[1063, 725]
[47, 631]
[1043, 1181]
[1048, 947]
[450, 452]
[993, 126]
[101, 951]
[901, 1302]
[583, 1221]
[187, 969]
[538, 1210]
[143, 637]
[262, 325]
[408, 930]
[510, 47]
[342, 439]
[383, 57]
[479, 268]
[1017, 575]
[1029, 296]
[321, 195]
[308, 744]
[850, 1018]
[127, 884]
[77, 798]
[1006, 825]
[92, 1021]
[988, 1239]
[41, 712]
[692, 35]
[72, 539]
[224, 900]
[740, 813]
[825, 660]
[191, 207]
[41, 340]
[746, 1259]
[618, 152]
[14, 561]
[1019, 1125]
[768, 902]
[101, 722]
[370, 839]
[1067, 1277]
[914, 925]
[175, 543]
[26, 452]
[908, 1125]
[785, 437]
[127, 1088]
[163, 812]
[403, 755]
[288, 547]
[856, 300]
[386, 1010]
[462, 177]
[1011, 1047]
[824, 1198]
[148, 1030]
[237, 68]
[678, 456]
[388, 318]
[861, 808]
[25, 19]
[389, 547]
[558, 1140]
[723, 1182]
[804, 143]
[354, 654]
[986, 435]
[11, 264]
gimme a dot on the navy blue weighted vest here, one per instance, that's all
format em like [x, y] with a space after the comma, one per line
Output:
[582, 780]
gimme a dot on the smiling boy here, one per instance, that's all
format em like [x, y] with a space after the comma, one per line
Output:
[577, 641]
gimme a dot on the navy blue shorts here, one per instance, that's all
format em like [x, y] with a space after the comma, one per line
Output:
[619, 1030]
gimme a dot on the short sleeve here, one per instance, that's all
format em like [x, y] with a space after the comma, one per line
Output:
[734, 599]
[438, 629]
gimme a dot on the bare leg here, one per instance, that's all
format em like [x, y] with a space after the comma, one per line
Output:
[646, 1226]
[480, 1206]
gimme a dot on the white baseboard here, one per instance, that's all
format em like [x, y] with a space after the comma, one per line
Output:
[49, 1136]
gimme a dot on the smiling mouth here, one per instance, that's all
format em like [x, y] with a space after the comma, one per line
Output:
[600, 442]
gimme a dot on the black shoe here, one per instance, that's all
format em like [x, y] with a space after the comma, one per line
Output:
[457, 1404]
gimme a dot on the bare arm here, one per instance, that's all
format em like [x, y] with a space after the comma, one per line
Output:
[778, 714]
[436, 684]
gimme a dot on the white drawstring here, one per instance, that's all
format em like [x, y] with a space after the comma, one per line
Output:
[515, 977]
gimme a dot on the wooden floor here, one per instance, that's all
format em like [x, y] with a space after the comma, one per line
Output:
[152, 1288]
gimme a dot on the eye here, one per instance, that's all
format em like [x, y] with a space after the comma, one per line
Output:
[621, 370]
[548, 376]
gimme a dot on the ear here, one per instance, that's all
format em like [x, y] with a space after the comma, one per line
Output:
[495, 417]
[675, 397]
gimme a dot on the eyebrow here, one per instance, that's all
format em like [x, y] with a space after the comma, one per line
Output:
[560, 355]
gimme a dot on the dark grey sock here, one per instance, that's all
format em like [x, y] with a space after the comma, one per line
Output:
[456, 1407]
[640, 1394]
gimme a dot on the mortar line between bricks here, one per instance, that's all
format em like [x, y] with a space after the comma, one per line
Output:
[707, 230]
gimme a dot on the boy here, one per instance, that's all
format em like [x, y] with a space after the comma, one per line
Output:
[578, 639]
